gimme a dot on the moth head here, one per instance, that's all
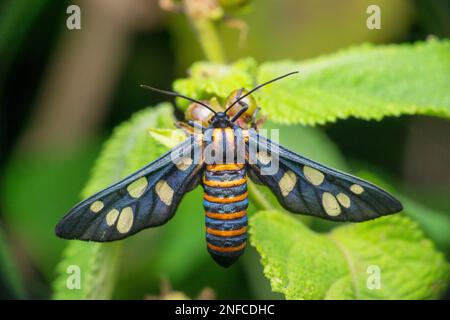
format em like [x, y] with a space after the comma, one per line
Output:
[240, 106]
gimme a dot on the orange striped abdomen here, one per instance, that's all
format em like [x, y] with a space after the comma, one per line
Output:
[225, 202]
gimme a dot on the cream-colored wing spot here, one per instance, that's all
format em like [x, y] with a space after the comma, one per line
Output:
[287, 182]
[344, 200]
[184, 163]
[263, 157]
[330, 204]
[137, 188]
[125, 221]
[97, 206]
[111, 217]
[313, 175]
[356, 189]
[164, 192]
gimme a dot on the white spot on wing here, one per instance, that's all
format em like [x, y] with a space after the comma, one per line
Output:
[164, 192]
[264, 158]
[344, 200]
[97, 206]
[287, 182]
[184, 163]
[313, 175]
[137, 188]
[111, 217]
[330, 204]
[125, 221]
[356, 189]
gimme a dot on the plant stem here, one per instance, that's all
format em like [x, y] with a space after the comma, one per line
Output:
[209, 39]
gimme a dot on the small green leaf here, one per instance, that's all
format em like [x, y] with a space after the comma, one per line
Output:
[366, 82]
[167, 137]
[303, 264]
[207, 80]
[129, 149]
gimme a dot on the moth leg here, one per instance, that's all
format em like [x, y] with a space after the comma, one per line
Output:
[240, 112]
[242, 104]
[256, 124]
[253, 122]
[196, 125]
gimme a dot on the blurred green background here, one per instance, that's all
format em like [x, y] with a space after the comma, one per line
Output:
[62, 92]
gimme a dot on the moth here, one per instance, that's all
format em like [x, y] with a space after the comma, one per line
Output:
[222, 150]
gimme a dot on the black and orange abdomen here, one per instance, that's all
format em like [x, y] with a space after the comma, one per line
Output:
[225, 202]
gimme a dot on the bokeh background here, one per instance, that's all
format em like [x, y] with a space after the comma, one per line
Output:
[62, 92]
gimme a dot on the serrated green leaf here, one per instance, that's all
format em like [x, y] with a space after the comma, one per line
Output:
[303, 264]
[130, 148]
[366, 82]
[435, 223]
[29, 214]
[410, 266]
[96, 267]
[207, 80]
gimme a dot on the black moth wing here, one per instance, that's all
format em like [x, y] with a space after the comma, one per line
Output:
[146, 198]
[307, 187]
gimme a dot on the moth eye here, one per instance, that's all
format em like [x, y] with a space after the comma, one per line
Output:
[197, 112]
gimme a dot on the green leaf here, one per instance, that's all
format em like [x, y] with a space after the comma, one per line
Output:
[167, 137]
[129, 149]
[10, 280]
[433, 222]
[27, 208]
[366, 82]
[208, 80]
[303, 264]
[97, 263]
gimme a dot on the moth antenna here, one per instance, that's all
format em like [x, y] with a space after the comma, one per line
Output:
[259, 87]
[176, 94]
